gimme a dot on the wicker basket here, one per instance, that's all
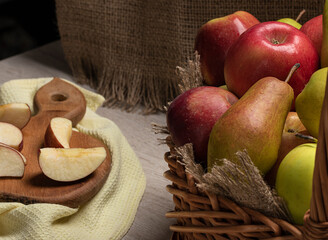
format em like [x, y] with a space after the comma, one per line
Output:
[202, 215]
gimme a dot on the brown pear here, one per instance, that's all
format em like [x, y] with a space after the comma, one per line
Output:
[255, 123]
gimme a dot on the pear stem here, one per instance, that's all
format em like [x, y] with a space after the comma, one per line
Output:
[300, 15]
[291, 72]
[307, 137]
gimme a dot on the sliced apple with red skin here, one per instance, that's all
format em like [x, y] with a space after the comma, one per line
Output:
[23, 157]
[11, 135]
[18, 114]
[70, 164]
[58, 133]
[11, 162]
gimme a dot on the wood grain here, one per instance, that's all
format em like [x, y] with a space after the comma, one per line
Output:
[55, 99]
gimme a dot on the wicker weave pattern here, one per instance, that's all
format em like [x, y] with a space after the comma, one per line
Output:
[202, 215]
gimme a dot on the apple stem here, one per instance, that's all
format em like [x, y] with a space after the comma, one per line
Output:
[307, 137]
[291, 72]
[300, 15]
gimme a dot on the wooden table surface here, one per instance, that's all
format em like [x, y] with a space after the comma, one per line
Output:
[150, 222]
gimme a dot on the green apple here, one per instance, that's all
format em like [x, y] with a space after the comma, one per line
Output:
[291, 22]
[294, 180]
[308, 103]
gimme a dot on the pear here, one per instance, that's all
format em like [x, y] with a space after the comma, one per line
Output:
[254, 123]
[309, 102]
[324, 45]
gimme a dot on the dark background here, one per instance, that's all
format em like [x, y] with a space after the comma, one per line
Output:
[26, 24]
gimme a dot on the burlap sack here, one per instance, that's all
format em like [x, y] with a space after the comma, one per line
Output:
[128, 50]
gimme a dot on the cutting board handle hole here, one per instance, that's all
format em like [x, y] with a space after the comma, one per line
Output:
[58, 97]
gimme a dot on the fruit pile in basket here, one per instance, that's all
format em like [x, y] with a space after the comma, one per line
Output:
[264, 84]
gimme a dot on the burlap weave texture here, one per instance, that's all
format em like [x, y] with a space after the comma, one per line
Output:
[129, 50]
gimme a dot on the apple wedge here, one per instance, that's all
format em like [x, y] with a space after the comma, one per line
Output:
[18, 114]
[23, 157]
[11, 162]
[58, 133]
[11, 135]
[70, 164]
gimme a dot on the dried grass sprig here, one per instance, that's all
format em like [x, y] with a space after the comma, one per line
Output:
[239, 181]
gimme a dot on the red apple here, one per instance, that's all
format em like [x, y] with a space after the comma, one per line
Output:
[270, 49]
[191, 116]
[313, 29]
[289, 141]
[214, 39]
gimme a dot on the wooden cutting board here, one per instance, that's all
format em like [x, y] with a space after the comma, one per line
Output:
[55, 99]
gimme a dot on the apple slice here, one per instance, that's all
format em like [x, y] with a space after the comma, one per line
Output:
[58, 133]
[18, 114]
[70, 164]
[11, 162]
[11, 135]
[23, 157]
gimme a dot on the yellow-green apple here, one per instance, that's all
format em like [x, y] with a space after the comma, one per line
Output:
[214, 39]
[70, 164]
[270, 49]
[313, 29]
[17, 114]
[291, 22]
[11, 135]
[294, 180]
[291, 138]
[12, 162]
[309, 102]
[58, 133]
[191, 116]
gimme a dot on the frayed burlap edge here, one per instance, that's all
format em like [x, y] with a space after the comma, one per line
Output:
[123, 91]
[120, 90]
[239, 181]
[190, 75]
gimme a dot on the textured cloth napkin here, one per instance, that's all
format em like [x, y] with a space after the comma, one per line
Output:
[109, 214]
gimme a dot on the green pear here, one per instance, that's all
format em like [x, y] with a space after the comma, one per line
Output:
[308, 103]
[255, 123]
[294, 179]
[291, 22]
